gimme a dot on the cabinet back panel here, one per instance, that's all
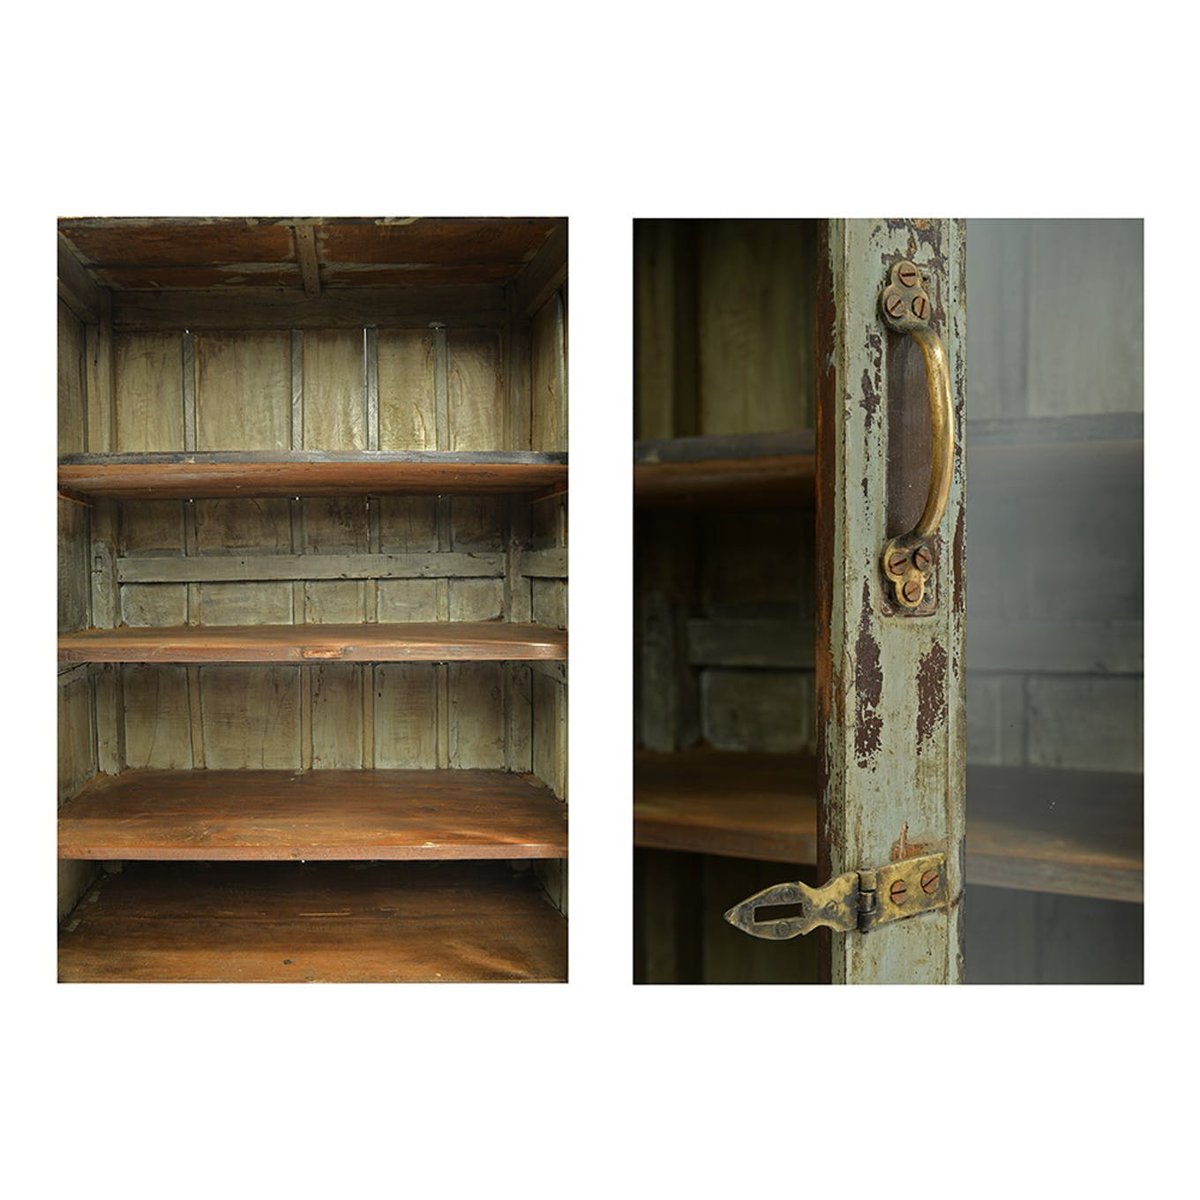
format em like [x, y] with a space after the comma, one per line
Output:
[243, 391]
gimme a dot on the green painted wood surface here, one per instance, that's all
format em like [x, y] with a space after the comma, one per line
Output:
[891, 719]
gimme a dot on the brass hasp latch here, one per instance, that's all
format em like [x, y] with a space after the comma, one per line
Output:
[857, 900]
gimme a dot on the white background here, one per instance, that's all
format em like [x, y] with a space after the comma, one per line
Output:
[601, 114]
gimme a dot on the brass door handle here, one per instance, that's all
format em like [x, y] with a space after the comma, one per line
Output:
[908, 559]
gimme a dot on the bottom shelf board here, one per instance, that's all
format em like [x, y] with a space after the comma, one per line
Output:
[1076, 833]
[314, 923]
[209, 815]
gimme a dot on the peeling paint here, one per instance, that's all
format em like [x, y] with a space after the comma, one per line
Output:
[931, 693]
[868, 687]
[872, 377]
[958, 563]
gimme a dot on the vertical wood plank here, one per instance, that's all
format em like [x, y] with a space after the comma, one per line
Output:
[101, 382]
[158, 730]
[72, 395]
[891, 722]
[548, 430]
[755, 319]
[517, 378]
[407, 397]
[334, 408]
[243, 391]
[148, 377]
[475, 398]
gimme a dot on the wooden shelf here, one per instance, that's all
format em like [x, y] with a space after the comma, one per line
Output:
[1035, 829]
[212, 815]
[732, 803]
[434, 641]
[166, 476]
[320, 922]
[743, 469]
[763, 469]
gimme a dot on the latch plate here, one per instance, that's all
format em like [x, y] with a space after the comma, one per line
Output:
[857, 900]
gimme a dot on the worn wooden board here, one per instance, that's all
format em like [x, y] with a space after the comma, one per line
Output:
[335, 413]
[475, 405]
[406, 718]
[148, 379]
[74, 562]
[755, 323]
[348, 815]
[890, 713]
[325, 922]
[413, 641]
[313, 474]
[157, 717]
[72, 395]
[549, 367]
[407, 408]
[243, 391]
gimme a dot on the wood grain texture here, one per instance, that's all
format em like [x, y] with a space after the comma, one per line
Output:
[475, 396]
[414, 641]
[148, 389]
[407, 408]
[755, 322]
[335, 412]
[243, 391]
[311, 474]
[72, 393]
[549, 376]
[324, 922]
[316, 815]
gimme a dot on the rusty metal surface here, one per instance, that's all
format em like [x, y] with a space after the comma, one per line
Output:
[855, 901]
[891, 722]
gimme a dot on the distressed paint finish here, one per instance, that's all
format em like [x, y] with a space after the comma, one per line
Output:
[890, 700]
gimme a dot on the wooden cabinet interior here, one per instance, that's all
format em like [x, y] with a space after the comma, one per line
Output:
[724, 471]
[312, 604]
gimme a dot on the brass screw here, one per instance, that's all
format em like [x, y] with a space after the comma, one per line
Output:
[911, 590]
[783, 929]
[920, 307]
[897, 563]
[894, 305]
[898, 891]
[929, 882]
[922, 558]
[908, 274]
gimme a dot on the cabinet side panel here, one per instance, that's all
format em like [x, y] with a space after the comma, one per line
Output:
[243, 391]
[72, 398]
[550, 375]
[77, 763]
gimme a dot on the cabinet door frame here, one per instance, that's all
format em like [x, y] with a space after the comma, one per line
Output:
[891, 720]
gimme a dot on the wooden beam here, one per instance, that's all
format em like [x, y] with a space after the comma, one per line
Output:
[343, 308]
[544, 564]
[306, 256]
[544, 274]
[437, 564]
[76, 287]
